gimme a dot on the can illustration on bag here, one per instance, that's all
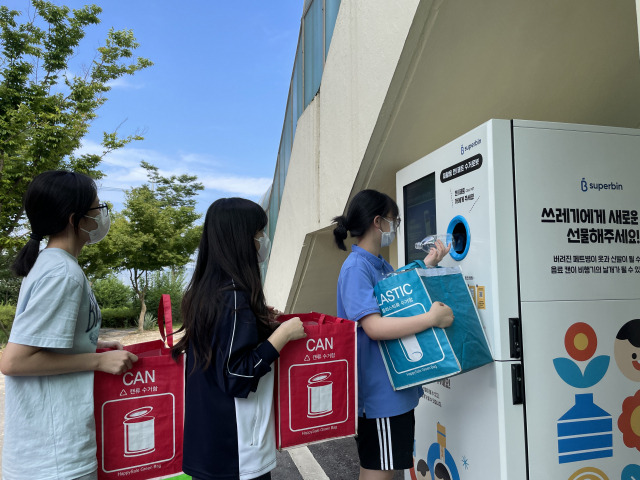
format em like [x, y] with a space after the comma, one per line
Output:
[320, 395]
[139, 432]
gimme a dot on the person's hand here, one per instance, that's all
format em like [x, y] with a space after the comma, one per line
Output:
[293, 329]
[436, 254]
[111, 344]
[274, 313]
[441, 315]
[116, 362]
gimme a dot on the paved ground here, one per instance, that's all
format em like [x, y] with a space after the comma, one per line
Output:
[334, 460]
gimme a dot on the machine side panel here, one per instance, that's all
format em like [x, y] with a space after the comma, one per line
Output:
[577, 203]
[578, 200]
[581, 388]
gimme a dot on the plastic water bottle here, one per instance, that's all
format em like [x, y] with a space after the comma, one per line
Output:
[427, 243]
[411, 348]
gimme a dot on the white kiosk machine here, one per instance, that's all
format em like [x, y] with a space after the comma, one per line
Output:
[544, 219]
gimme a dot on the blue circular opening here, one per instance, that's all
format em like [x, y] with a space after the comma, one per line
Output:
[460, 237]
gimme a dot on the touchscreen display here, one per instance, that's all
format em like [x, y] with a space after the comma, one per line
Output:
[419, 217]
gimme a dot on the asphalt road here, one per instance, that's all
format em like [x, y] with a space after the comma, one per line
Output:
[337, 458]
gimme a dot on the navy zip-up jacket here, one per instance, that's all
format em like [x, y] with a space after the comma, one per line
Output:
[228, 426]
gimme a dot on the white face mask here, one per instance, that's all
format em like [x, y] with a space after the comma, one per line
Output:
[265, 245]
[388, 237]
[104, 223]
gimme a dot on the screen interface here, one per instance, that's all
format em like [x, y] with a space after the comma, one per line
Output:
[419, 215]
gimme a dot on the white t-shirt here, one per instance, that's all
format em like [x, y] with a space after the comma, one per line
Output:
[49, 424]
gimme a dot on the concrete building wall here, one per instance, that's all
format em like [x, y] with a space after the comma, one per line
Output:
[334, 131]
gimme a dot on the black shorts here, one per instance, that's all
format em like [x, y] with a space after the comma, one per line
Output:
[386, 443]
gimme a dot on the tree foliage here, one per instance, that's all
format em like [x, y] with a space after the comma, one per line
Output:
[110, 292]
[45, 110]
[155, 230]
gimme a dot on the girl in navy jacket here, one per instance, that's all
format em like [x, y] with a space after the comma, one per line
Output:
[230, 346]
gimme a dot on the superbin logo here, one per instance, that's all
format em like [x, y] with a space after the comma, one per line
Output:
[585, 186]
[466, 148]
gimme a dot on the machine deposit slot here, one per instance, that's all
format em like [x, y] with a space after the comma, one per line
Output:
[460, 236]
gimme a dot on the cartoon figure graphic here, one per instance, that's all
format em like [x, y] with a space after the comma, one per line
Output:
[581, 342]
[589, 473]
[440, 463]
[422, 470]
[412, 470]
[630, 472]
[629, 421]
[626, 350]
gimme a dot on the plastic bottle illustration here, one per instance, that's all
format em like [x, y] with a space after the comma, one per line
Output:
[139, 432]
[585, 432]
[411, 348]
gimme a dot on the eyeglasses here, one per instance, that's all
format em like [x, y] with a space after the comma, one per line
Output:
[101, 206]
[396, 223]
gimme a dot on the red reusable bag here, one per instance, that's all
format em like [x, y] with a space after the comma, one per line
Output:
[140, 414]
[315, 395]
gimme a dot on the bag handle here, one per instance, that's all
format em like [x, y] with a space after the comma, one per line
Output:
[321, 319]
[412, 265]
[165, 322]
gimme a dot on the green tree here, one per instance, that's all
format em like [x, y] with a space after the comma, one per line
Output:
[171, 282]
[155, 230]
[45, 111]
[110, 292]
[9, 283]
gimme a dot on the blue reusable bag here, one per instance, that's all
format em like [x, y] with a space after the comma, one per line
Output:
[434, 353]
[466, 333]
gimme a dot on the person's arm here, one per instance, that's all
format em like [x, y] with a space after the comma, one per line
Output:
[241, 361]
[25, 360]
[378, 327]
[112, 344]
[292, 329]
[356, 286]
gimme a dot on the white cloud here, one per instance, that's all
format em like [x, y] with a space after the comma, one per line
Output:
[124, 82]
[252, 186]
[123, 171]
[199, 158]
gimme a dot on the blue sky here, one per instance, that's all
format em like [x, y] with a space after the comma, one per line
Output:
[212, 105]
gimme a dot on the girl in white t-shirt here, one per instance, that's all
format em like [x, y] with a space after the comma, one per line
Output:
[51, 354]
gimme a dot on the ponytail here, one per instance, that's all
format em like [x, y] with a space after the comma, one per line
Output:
[26, 258]
[340, 232]
[363, 208]
[51, 198]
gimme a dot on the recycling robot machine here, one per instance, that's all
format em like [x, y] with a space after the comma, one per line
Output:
[543, 221]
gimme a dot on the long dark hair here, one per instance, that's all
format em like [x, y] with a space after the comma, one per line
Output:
[227, 259]
[50, 199]
[363, 208]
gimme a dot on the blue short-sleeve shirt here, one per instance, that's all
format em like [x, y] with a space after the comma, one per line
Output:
[376, 398]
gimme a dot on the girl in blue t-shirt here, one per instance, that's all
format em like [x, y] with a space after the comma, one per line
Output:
[386, 420]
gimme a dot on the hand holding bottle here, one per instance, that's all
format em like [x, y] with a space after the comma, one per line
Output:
[436, 246]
